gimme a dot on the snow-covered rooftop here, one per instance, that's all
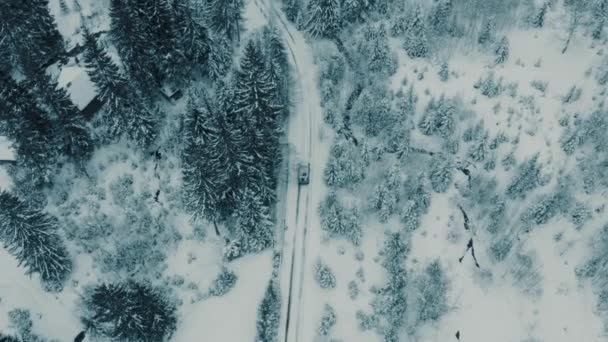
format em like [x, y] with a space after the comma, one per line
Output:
[76, 81]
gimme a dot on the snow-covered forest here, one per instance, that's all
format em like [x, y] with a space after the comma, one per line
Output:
[303, 170]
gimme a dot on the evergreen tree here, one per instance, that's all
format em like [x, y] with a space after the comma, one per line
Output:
[269, 315]
[440, 174]
[345, 167]
[538, 20]
[324, 276]
[440, 16]
[324, 18]
[386, 194]
[328, 320]
[502, 50]
[527, 179]
[438, 118]
[110, 83]
[31, 236]
[599, 11]
[220, 57]
[192, 38]
[128, 311]
[416, 44]
[353, 10]
[291, 8]
[339, 221]
[375, 51]
[69, 125]
[487, 30]
[253, 224]
[225, 17]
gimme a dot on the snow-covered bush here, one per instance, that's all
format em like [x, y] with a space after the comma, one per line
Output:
[366, 321]
[386, 194]
[431, 293]
[580, 214]
[500, 249]
[21, 321]
[345, 166]
[416, 43]
[223, 283]
[328, 320]
[353, 290]
[528, 178]
[324, 276]
[269, 315]
[444, 72]
[572, 95]
[502, 51]
[489, 86]
[339, 221]
[440, 174]
[539, 85]
[439, 118]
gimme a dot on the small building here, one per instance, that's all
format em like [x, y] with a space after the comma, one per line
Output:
[170, 91]
[75, 80]
[303, 174]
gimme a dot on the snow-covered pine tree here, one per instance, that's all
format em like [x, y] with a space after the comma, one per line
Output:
[278, 66]
[128, 311]
[105, 74]
[345, 166]
[32, 130]
[416, 43]
[353, 11]
[225, 17]
[538, 19]
[324, 18]
[324, 276]
[438, 118]
[269, 315]
[69, 125]
[441, 173]
[220, 57]
[375, 50]
[386, 194]
[139, 122]
[191, 37]
[440, 16]
[328, 320]
[487, 31]
[252, 222]
[599, 12]
[291, 8]
[502, 50]
[339, 221]
[31, 236]
[431, 299]
[257, 114]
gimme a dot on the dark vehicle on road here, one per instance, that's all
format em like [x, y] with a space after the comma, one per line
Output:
[303, 173]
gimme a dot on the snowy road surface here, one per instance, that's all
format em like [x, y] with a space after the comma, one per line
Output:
[301, 201]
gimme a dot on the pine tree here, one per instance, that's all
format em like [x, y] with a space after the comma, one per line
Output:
[269, 315]
[416, 44]
[291, 8]
[440, 174]
[323, 18]
[253, 224]
[225, 17]
[502, 50]
[487, 30]
[69, 125]
[386, 194]
[538, 20]
[192, 38]
[31, 236]
[440, 16]
[599, 14]
[128, 311]
[110, 83]
[353, 10]
[220, 57]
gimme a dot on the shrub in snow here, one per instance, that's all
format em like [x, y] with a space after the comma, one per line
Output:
[570, 140]
[440, 174]
[269, 315]
[479, 150]
[431, 293]
[386, 194]
[528, 178]
[224, 283]
[31, 236]
[539, 85]
[580, 214]
[324, 276]
[500, 249]
[440, 16]
[572, 95]
[439, 118]
[487, 31]
[328, 320]
[538, 18]
[366, 321]
[122, 189]
[345, 166]
[339, 221]
[8, 338]
[128, 311]
[133, 256]
[444, 72]
[353, 290]
[21, 321]
[490, 86]
[502, 51]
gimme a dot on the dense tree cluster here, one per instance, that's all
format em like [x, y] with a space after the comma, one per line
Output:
[32, 237]
[158, 40]
[385, 197]
[232, 147]
[128, 311]
[439, 118]
[431, 298]
[374, 52]
[345, 167]
[528, 178]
